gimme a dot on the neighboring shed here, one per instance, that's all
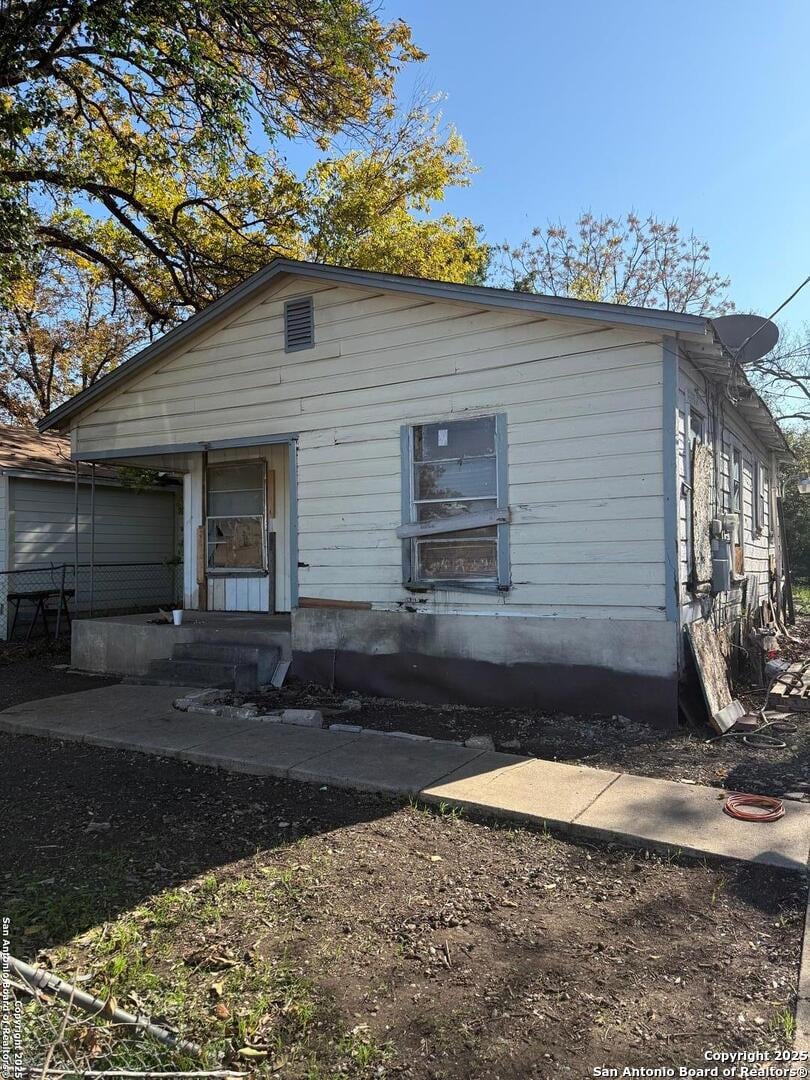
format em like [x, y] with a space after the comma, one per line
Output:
[130, 536]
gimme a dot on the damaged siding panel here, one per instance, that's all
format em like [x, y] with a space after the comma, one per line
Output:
[739, 454]
[583, 430]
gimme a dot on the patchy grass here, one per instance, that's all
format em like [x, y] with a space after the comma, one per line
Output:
[801, 598]
[315, 934]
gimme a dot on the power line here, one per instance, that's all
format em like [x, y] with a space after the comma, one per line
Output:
[773, 314]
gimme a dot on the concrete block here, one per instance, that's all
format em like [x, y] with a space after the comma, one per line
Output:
[238, 712]
[268, 717]
[280, 674]
[302, 717]
[405, 735]
[480, 742]
[346, 727]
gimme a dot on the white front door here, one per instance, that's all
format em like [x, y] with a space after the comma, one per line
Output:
[239, 545]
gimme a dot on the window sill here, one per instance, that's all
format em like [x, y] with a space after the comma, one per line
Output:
[456, 586]
[236, 572]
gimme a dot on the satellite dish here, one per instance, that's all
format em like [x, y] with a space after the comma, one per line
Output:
[751, 334]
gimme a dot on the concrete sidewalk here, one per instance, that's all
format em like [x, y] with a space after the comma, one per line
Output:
[593, 803]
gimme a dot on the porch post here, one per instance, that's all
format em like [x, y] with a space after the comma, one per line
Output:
[92, 534]
[76, 535]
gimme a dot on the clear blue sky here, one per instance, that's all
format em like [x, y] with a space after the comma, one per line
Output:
[694, 110]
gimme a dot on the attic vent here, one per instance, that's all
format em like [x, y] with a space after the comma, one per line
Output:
[299, 330]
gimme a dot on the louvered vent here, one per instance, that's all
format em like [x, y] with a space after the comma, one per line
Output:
[299, 330]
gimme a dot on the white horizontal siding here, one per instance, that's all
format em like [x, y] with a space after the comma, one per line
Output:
[584, 419]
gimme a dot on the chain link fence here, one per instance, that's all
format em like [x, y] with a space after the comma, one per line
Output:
[43, 599]
[54, 1039]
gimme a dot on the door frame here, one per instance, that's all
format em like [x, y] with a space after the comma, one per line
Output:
[290, 440]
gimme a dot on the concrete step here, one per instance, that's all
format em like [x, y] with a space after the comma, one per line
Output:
[265, 658]
[204, 673]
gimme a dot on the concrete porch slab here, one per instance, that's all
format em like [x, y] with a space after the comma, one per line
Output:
[383, 763]
[528, 788]
[127, 644]
[266, 749]
[689, 818]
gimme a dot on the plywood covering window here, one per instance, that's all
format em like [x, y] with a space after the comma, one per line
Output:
[235, 518]
[737, 509]
[759, 498]
[454, 473]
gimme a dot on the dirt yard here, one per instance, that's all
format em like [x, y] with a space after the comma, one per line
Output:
[311, 933]
[38, 670]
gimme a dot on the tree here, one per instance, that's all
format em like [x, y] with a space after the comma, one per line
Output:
[643, 262]
[128, 130]
[797, 507]
[371, 208]
[63, 327]
[782, 376]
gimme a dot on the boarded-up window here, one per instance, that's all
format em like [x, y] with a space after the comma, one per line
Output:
[453, 475]
[761, 495]
[235, 519]
[702, 495]
[737, 509]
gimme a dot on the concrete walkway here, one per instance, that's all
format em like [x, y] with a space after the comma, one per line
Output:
[593, 803]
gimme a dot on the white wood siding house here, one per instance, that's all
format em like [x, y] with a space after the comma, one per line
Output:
[132, 534]
[460, 493]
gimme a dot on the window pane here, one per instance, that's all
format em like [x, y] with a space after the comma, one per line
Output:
[446, 558]
[461, 438]
[236, 477]
[235, 503]
[440, 511]
[235, 543]
[463, 478]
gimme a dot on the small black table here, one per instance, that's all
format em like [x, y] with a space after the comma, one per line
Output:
[39, 598]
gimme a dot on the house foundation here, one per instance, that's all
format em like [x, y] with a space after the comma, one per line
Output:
[571, 665]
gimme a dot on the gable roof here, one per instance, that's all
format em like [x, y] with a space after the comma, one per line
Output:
[704, 348]
[561, 306]
[24, 449]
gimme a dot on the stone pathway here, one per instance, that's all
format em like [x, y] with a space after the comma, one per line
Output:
[593, 803]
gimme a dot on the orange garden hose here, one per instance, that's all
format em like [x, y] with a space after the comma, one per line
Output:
[769, 809]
